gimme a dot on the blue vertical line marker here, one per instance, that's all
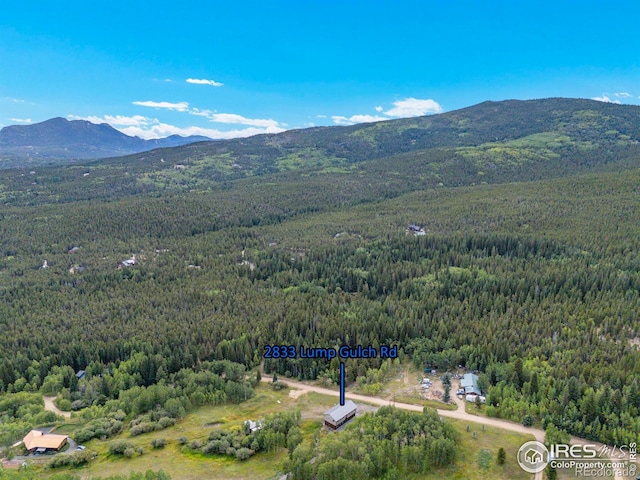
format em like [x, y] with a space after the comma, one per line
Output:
[341, 383]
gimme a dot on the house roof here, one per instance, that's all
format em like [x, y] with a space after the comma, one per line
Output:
[253, 426]
[37, 439]
[469, 382]
[340, 411]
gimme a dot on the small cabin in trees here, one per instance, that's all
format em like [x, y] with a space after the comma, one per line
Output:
[416, 229]
[252, 426]
[340, 414]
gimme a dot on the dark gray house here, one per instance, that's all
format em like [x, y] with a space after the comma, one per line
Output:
[340, 414]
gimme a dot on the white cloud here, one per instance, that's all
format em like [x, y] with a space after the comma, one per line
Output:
[321, 116]
[21, 120]
[409, 107]
[340, 120]
[116, 120]
[160, 130]
[204, 81]
[235, 119]
[606, 99]
[180, 106]
[240, 120]
[623, 95]
[413, 107]
[147, 127]
[14, 100]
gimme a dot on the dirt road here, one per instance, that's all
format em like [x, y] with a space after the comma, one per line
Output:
[49, 405]
[460, 414]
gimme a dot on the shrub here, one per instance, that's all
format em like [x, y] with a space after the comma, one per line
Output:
[81, 436]
[79, 405]
[118, 448]
[223, 446]
[62, 403]
[119, 415]
[182, 440]
[166, 422]
[74, 459]
[145, 427]
[115, 427]
[158, 443]
[211, 447]
[100, 427]
[244, 453]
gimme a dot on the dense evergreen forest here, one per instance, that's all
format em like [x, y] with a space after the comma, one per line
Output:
[535, 284]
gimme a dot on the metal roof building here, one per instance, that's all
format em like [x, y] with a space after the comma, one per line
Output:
[340, 414]
[469, 382]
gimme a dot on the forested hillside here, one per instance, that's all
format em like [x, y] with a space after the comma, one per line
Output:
[533, 283]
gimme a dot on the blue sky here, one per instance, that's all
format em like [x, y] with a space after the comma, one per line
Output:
[227, 69]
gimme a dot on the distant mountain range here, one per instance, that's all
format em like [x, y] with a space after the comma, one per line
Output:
[491, 133]
[59, 139]
[493, 142]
